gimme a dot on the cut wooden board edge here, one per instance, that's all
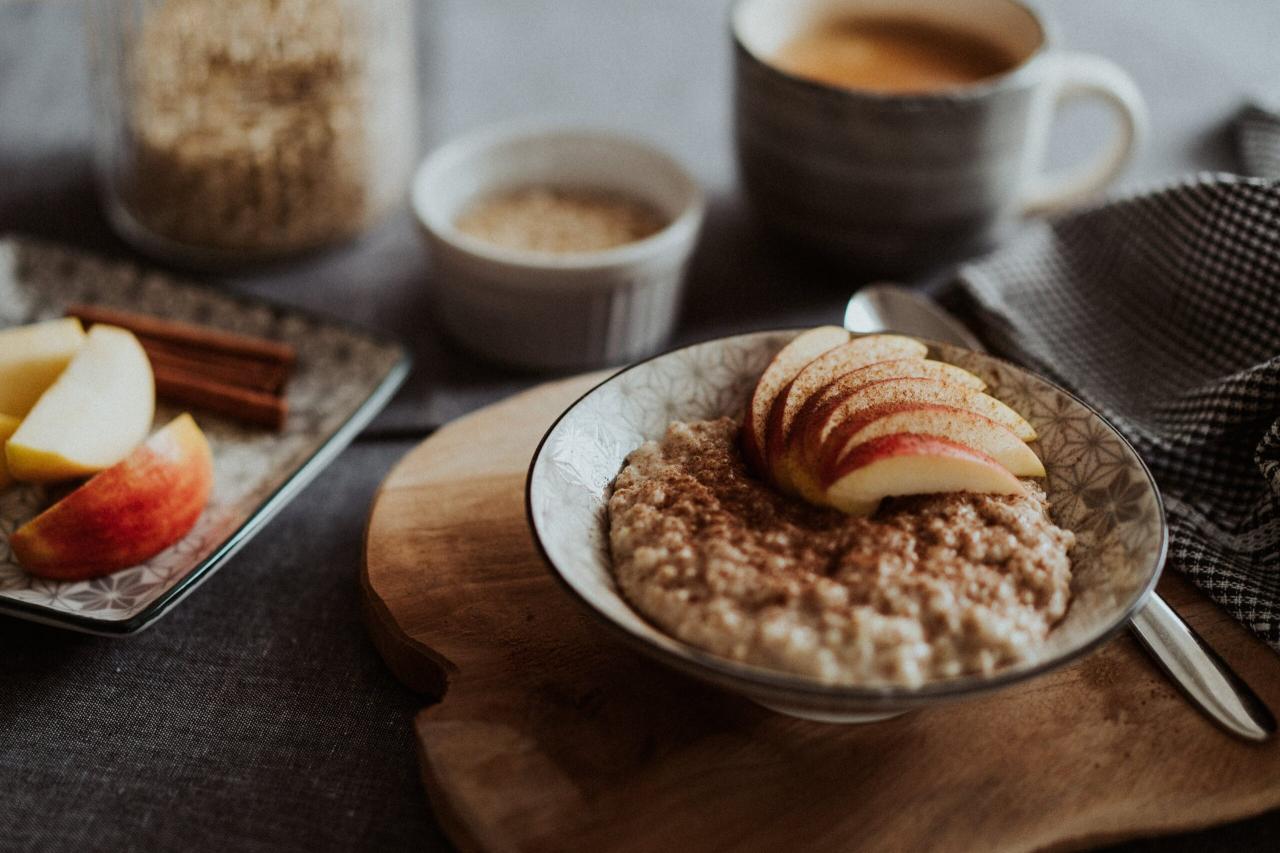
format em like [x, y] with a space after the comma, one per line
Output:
[442, 806]
[414, 663]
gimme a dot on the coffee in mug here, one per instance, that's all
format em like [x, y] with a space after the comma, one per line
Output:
[903, 134]
[893, 54]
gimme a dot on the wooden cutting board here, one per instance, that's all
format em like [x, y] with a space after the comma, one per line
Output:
[549, 736]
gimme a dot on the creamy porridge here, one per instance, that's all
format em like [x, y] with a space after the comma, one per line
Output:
[930, 587]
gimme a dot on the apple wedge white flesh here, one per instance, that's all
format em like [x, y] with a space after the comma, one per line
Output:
[963, 427]
[911, 464]
[93, 416]
[857, 353]
[789, 361]
[31, 358]
[798, 474]
[8, 425]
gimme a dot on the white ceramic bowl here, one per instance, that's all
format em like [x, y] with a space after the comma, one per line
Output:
[556, 311]
[1098, 487]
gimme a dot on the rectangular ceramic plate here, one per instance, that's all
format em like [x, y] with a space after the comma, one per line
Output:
[343, 378]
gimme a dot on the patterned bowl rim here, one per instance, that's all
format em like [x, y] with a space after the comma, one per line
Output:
[724, 671]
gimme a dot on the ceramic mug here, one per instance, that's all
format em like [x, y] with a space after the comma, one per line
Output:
[900, 182]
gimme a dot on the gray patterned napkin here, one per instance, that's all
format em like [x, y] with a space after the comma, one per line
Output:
[1162, 310]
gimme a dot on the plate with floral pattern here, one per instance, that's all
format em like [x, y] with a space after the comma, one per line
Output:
[344, 376]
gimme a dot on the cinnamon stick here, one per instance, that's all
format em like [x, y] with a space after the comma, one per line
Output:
[187, 334]
[248, 373]
[236, 402]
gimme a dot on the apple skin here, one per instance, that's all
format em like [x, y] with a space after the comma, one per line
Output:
[817, 374]
[812, 432]
[126, 514]
[912, 464]
[959, 425]
[796, 464]
[789, 361]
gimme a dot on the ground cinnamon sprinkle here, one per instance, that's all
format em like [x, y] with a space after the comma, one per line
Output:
[553, 220]
[932, 586]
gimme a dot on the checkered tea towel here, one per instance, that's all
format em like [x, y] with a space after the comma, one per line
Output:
[1162, 310]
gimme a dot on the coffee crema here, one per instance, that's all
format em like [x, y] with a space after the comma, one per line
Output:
[892, 55]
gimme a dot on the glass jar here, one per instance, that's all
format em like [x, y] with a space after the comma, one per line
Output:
[233, 131]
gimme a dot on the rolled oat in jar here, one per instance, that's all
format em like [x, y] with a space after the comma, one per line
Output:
[254, 128]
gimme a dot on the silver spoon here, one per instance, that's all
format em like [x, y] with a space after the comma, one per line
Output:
[1204, 677]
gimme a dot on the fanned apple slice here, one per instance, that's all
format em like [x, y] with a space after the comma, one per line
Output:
[125, 515]
[8, 426]
[789, 361]
[917, 368]
[857, 353]
[799, 473]
[911, 464]
[911, 389]
[811, 435]
[959, 425]
[93, 416]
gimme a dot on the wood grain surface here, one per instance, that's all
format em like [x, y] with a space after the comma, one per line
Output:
[548, 736]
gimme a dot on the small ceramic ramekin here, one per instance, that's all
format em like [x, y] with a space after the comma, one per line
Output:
[564, 311]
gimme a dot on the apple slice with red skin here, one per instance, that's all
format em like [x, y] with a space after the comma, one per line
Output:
[963, 427]
[793, 473]
[126, 514]
[916, 368]
[913, 464]
[909, 389]
[857, 353]
[811, 434]
[789, 361]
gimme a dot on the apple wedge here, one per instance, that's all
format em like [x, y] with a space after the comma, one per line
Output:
[847, 357]
[789, 361]
[963, 427]
[911, 464]
[811, 433]
[797, 475]
[93, 416]
[910, 389]
[31, 358]
[8, 426]
[125, 515]
[905, 368]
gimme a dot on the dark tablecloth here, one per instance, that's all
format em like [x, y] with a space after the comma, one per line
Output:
[237, 723]
[270, 723]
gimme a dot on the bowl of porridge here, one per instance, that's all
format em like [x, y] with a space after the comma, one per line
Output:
[901, 571]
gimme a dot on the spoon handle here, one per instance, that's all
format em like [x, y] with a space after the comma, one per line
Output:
[1203, 677]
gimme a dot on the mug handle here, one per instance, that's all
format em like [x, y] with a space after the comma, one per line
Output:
[1083, 75]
